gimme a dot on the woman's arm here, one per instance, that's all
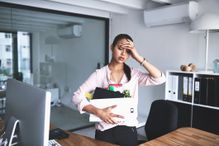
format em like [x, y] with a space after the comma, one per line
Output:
[152, 70]
[104, 114]
[84, 105]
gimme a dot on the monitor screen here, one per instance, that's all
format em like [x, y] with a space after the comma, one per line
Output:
[31, 106]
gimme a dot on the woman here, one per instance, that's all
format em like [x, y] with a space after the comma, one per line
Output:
[123, 78]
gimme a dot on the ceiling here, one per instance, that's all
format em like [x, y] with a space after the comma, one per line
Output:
[27, 20]
[115, 6]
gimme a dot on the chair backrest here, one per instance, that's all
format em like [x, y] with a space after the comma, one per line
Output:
[162, 119]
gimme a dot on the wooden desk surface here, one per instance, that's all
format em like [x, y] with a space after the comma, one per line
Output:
[181, 137]
[185, 137]
[80, 140]
[73, 139]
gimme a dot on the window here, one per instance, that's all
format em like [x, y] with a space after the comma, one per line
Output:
[15, 54]
[25, 63]
[8, 62]
[24, 59]
[7, 35]
[8, 48]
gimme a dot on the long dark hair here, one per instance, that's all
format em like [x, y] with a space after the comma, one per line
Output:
[119, 37]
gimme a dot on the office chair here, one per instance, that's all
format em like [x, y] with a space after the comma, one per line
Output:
[162, 119]
[18, 76]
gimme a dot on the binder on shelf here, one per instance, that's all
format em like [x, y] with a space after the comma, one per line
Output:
[197, 90]
[175, 80]
[185, 87]
[189, 95]
[180, 88]
[169, 92]
[216, 93]
[173, 87]
[208, 92]
[203, 90]
[210, 98]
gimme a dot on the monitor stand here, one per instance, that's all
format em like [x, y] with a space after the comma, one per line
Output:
[10, 131]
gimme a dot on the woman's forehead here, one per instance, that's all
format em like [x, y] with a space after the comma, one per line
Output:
[123, 41]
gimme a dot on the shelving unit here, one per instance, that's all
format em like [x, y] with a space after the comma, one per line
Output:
[196, 95]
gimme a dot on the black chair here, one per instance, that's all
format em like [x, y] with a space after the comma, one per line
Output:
[18, 76]
[163, 118]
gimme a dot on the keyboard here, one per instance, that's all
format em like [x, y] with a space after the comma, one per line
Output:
[53, 142]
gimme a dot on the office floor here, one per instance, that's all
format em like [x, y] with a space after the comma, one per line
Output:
[68, 119]
[90, 132]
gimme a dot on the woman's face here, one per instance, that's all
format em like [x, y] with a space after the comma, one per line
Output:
[119, 53]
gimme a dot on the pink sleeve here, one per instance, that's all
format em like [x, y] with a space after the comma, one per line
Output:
[89, 85]
[145, 79]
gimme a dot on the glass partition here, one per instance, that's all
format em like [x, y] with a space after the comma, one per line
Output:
[56, 51]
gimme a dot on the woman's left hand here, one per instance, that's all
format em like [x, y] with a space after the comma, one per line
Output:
[130, 47]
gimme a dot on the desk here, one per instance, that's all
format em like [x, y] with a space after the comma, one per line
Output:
[79, 140]
[73, 139]
[185, 137]
[181, 137]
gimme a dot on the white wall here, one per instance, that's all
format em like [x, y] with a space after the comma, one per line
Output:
[167, 47]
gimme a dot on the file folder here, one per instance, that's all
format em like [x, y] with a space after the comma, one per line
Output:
[175, 81]
[180, 88]
[197, 90]
[210, 99]
[173, 87]
[100, 93]
[185, 87]
[203, 90]
[169, 92]
[216, 94]
[190, 89]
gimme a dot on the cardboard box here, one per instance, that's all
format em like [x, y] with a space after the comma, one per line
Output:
[126, 107]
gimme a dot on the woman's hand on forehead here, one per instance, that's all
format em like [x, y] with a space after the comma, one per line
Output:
[126, 43]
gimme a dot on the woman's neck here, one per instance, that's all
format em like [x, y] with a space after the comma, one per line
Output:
[117, 72]
[113, 66]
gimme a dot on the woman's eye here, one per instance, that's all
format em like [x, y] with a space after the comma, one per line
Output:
[120, 48]
[128, 51]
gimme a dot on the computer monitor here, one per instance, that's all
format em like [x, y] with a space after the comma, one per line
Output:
[31, 106]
